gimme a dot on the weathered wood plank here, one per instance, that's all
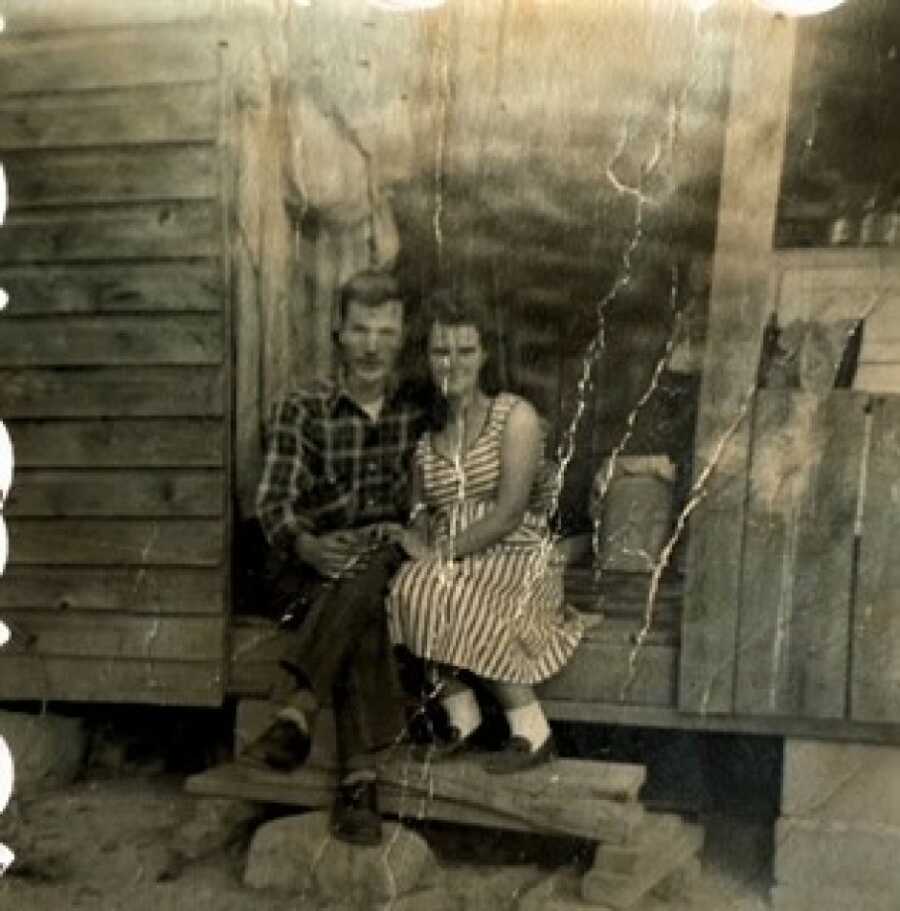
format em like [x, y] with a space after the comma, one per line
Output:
[106, 392]
[110, 175]
[86, 679]
[793, 635]
[117, 492]
[66, 61]
[141, 114]
[138, 590]
[120, 288]
[78, 635]
[754, 149]
[875, 666]
[115, 542]
[74, 341]
[47, 15]
[169, 230]
[187, 443]
[878, 378]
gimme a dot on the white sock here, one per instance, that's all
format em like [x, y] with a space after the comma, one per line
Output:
[355, 776]
[529, 721]
[463, 711]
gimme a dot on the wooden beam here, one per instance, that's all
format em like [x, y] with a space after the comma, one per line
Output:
[140, 114]
[108, 392]
[123, 443]
[124, 589]
[738, 307]
[116, 542]
[123, 287]
[111, 340]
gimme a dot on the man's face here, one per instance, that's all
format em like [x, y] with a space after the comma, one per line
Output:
[370, 340]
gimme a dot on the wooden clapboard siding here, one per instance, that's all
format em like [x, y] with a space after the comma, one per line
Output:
[68, 341]
[98, 392]
[119, 680]
[117, 492]
[754, 149]
[875, 666]
[793, 640]
[141, 114]
[88, 59]
[86, 635]
[114, 353]
[160, 443]
[114, 542]
[118, 589]
[167, 230]
[111, 174]
[121, 288]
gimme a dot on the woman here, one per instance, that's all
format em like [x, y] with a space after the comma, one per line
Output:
[481, 593]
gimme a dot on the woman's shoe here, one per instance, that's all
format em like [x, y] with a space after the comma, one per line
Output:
[517, 756]
[444, 747]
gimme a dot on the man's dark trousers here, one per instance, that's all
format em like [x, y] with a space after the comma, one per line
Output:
[343, 648]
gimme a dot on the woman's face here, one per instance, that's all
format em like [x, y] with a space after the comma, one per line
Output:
[456, 357]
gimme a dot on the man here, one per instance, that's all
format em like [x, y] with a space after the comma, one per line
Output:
[334, 487]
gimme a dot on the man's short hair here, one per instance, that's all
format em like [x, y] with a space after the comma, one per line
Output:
[370, 288]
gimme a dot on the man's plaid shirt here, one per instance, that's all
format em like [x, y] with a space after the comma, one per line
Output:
[329, 466]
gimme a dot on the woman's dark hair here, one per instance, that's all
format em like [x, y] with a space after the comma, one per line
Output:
[451, 307]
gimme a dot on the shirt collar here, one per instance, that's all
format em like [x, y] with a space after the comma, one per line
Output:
[342, 394]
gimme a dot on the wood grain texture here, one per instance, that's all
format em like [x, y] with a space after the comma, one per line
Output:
[125, 287]
[85, 59]
[111, 175]
[108, 635]
[87, 679]
[793, 638]
[123, 589]
[122, 443]
[875, 669]
[117, 493]
[28, 15]
[108, 392]
[171, 230]
[74, 341]
[116, 542]
[137, 115]
[754, 149]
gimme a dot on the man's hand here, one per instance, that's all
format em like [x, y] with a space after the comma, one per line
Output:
[330, 554]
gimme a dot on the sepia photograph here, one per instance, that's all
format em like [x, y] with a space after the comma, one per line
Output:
[449, 455]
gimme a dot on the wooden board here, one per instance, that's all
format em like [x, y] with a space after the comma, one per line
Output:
[84, 59]
[115, 542]
[754, 149]
[86, 679]
[142, 114]
[40, 15]
[108, 392]
[457, 791]
[793, 636]
[117, 492]
[72, 341]
[875, 665]
[105, 635]
[110, 175]
[123, 443]
[118, 288]
[169, 230]
[127, 589]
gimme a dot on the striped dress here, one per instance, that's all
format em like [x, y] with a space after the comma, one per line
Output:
[499, 613]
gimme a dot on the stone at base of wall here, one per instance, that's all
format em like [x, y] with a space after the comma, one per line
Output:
[48, 749]
[814, 854]
[832, 898]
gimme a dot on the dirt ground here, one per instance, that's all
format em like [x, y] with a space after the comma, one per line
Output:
[105, 842]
